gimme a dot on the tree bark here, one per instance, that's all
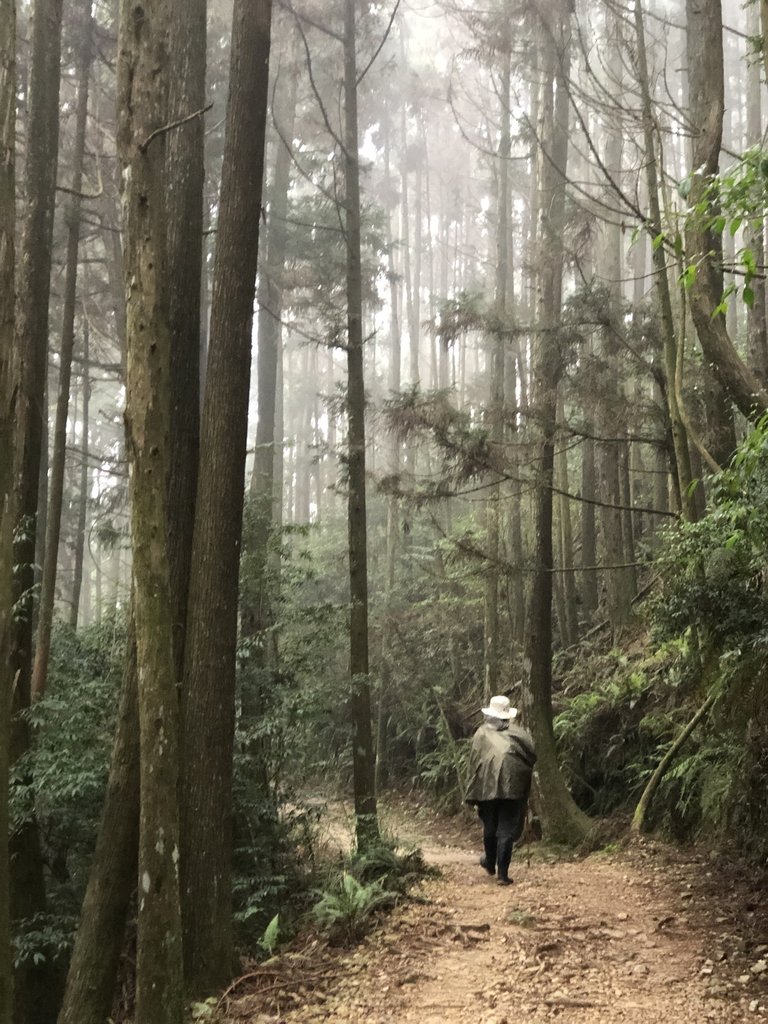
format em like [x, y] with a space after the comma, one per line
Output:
[569, 632]
[270, 310]
[683, 476]
[7, 417]
[704, 23]
[143, 67]
[184, 174]
[563, 820]
[82, 499]
[208, 696]
[58, 462]
[757, 330]
[363, 763]
[95, 958]
[393, 507]
[90, 987]
[36, 988]
[589, 578]
[496, 361]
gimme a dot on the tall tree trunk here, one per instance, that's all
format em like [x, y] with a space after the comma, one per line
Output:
[363, 764]
[563, 820]
[683, 476]
[393, 507]
[264, 481]
[90, 988]
[496, 392]
[208, 696]
[570, 621]
[58, 464]
[36, 989]
[143, 66]
[7, 417]
[612, 422]
[95, 958]
[82, 498]
[757, 331]
[704, 23]
[589, 577]
[184, 173]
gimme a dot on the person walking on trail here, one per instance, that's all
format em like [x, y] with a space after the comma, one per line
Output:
[501, 764]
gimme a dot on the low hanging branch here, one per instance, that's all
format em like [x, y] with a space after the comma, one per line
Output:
[641, 812]
[174, 124]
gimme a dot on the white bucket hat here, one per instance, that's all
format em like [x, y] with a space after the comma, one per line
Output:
[499, 707]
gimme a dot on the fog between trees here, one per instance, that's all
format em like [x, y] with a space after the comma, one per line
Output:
[359, 361]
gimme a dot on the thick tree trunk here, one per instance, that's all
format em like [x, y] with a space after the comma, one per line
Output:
[90, 988]
[143, 65]
[184, 175]
[363, 763]
[93, 969]
[208, 696]
[58, 463]
[7, 417]
[563, 820]
[36, 990]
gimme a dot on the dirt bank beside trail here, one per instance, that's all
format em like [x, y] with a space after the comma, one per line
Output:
[648, 936]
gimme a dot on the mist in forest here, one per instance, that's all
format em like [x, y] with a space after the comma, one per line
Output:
[358, 362]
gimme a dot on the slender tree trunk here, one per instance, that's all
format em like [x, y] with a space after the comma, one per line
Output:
[757, 331]
[363, 764]
[612, 422]
[208, 705]
[393, 512]
[515, 586]
[143, 66]
[589, 578]
[58, 466]
[683, 476]
[570, 615]
[36, 988]
[265, 483]
[7, 417]
[496, 394]
[563, 820]
[82, 499]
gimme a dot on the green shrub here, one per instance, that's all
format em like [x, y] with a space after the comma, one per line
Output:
[345, 910]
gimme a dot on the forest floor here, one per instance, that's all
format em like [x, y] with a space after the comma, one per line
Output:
[646, 933]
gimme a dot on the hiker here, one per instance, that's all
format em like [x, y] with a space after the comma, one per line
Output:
[500, 767]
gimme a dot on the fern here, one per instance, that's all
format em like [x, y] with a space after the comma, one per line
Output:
[345, 911]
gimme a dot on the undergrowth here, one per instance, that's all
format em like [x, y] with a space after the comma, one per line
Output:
[370, 880]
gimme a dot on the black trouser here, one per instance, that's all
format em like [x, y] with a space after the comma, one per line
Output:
[502, 826]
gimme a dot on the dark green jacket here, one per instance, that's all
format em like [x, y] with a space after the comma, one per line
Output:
[500, 764]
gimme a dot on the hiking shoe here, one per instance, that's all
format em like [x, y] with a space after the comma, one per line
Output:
[486, 866]
[505, 880]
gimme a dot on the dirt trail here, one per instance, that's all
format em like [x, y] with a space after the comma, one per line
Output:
[647, 936]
